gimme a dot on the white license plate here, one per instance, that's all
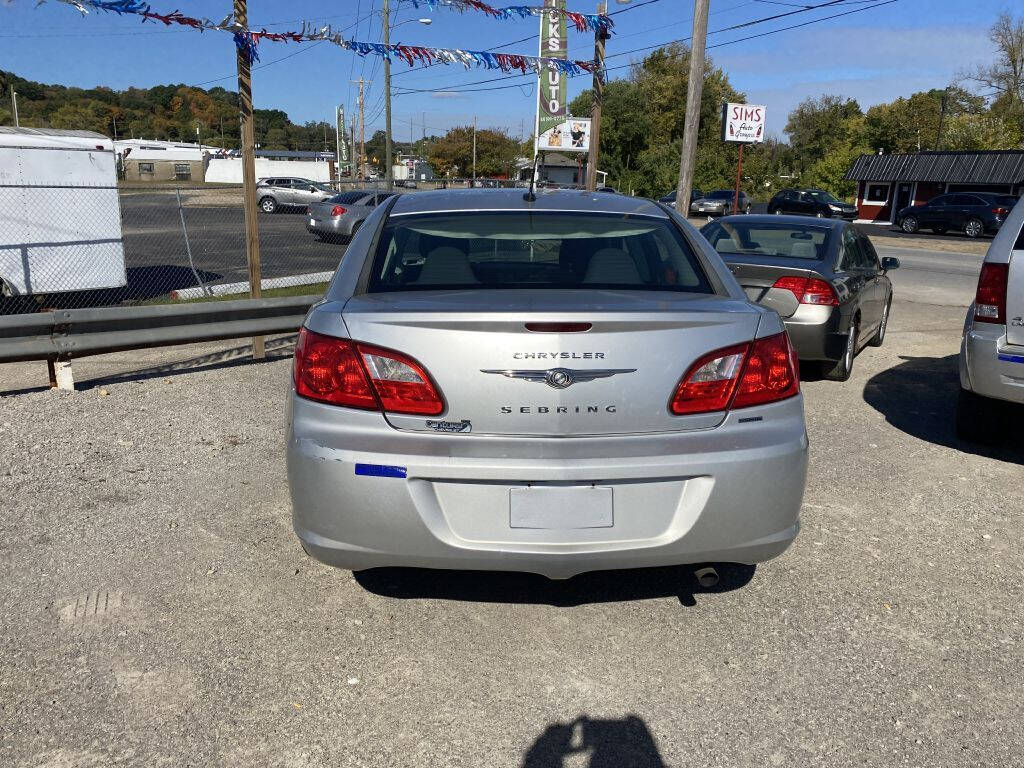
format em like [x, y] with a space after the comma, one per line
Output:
[561, 507]
[312, 222]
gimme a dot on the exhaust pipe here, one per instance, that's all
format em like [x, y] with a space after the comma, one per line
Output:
[707, 577]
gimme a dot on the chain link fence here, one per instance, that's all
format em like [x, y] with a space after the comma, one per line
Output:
[71, 247]
[77, 247]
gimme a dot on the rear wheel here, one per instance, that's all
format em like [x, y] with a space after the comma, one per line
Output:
[777, 211]
[268, 205]
[879, 337]
[819, 215]
[909, 225]
[841, 370]
[974, 228]
[747, 209]
[977, 418]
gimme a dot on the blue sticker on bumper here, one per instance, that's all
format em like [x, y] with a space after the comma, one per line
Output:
[1012, 358]
[380, 470]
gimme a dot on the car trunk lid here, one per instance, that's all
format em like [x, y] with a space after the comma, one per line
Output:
[757, 278]
[498, 377]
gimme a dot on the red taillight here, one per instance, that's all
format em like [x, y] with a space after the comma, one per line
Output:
[344, 372]
[771, 372]
[1000, 211]
[809, 290]
[990, 300]
[558, 327]
[740, 376]
[337, 211]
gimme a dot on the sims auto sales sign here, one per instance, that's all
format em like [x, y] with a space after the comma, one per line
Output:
[743, 123]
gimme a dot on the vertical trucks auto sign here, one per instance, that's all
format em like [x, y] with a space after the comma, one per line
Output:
[551, 92]
[743, 123]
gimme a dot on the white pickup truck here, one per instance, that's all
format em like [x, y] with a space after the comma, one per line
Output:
[60, 216]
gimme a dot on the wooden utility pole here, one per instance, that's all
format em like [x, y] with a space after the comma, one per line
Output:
[252, 228]
[389, 171]
[362, 128]
[693, 93]
[354, 164]
[598, 98]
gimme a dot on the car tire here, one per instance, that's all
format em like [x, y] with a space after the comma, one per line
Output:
[819, 215]
[268, 204]
[879, 337]
[977, 418]
[747, 210]
[974, 227]
[776, 212]
[842, 368]
[909, 224]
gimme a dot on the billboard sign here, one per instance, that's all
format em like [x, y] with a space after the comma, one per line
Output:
[570, 135]
[339, 126]
[552, 92]
[743, 123]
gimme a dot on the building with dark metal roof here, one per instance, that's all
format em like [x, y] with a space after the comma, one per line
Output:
[887, 183]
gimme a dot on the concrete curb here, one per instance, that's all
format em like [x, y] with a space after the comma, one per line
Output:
[225, 289]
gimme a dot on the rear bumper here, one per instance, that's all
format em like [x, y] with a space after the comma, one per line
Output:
[332, 226]
[817, 332]
[988, 365]
[730, 494]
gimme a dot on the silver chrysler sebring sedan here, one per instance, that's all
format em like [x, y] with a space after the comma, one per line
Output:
[556, 383]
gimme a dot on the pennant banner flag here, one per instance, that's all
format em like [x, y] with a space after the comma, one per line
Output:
[584, 22]
[247, 40]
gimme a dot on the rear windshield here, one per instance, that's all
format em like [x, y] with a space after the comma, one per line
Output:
[798, 241]
[534, 250]
[721, 194]
[348, 198]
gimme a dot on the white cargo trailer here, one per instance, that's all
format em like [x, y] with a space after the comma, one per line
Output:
[60, 215]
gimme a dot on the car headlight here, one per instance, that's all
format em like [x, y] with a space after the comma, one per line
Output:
[834, 207]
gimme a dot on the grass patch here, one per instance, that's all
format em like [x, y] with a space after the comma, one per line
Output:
[269, 293]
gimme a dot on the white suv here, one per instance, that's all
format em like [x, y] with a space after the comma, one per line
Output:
[992, 351]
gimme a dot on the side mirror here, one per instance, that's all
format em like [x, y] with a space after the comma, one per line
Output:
[890, 262]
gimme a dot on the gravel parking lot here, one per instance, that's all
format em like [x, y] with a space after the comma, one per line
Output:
[158, 610]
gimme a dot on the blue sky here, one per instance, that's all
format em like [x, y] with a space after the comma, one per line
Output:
[875, 55]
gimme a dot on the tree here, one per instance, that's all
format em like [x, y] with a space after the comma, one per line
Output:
[815, 126]
[1004, 78]
[496, 152]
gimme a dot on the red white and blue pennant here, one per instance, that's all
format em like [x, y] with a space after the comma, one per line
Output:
[247, 39]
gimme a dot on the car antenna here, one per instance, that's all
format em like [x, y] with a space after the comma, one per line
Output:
[531, 193]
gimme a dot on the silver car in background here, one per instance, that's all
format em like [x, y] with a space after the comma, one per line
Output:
[278, 192]
[555, 383]
[719, 203]
[341, 215]
[992, 350]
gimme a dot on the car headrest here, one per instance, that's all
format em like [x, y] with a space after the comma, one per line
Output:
[446, 266]
[612, 265]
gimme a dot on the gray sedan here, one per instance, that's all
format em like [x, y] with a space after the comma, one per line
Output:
[719, 203]
[823, 277]
[556, 383]
[341, 216]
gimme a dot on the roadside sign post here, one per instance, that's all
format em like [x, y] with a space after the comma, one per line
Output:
[252, 230]
[595, 109]
[742, 124]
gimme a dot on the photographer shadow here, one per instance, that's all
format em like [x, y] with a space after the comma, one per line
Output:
[603, 743]
[532, 589]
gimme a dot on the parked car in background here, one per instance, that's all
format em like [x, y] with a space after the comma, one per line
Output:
[481, 389]
[610, 190]
[973, 213]
[670, 198]
[341, 215]
[992, 350]
[280, 192]
[824, 279]
[719, 203]
[810, 202]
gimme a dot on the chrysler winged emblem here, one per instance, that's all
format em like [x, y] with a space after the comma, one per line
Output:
[560, 378]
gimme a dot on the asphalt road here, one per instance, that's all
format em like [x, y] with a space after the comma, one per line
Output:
[157, 609]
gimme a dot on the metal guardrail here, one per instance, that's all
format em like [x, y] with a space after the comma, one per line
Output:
[69, 333]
